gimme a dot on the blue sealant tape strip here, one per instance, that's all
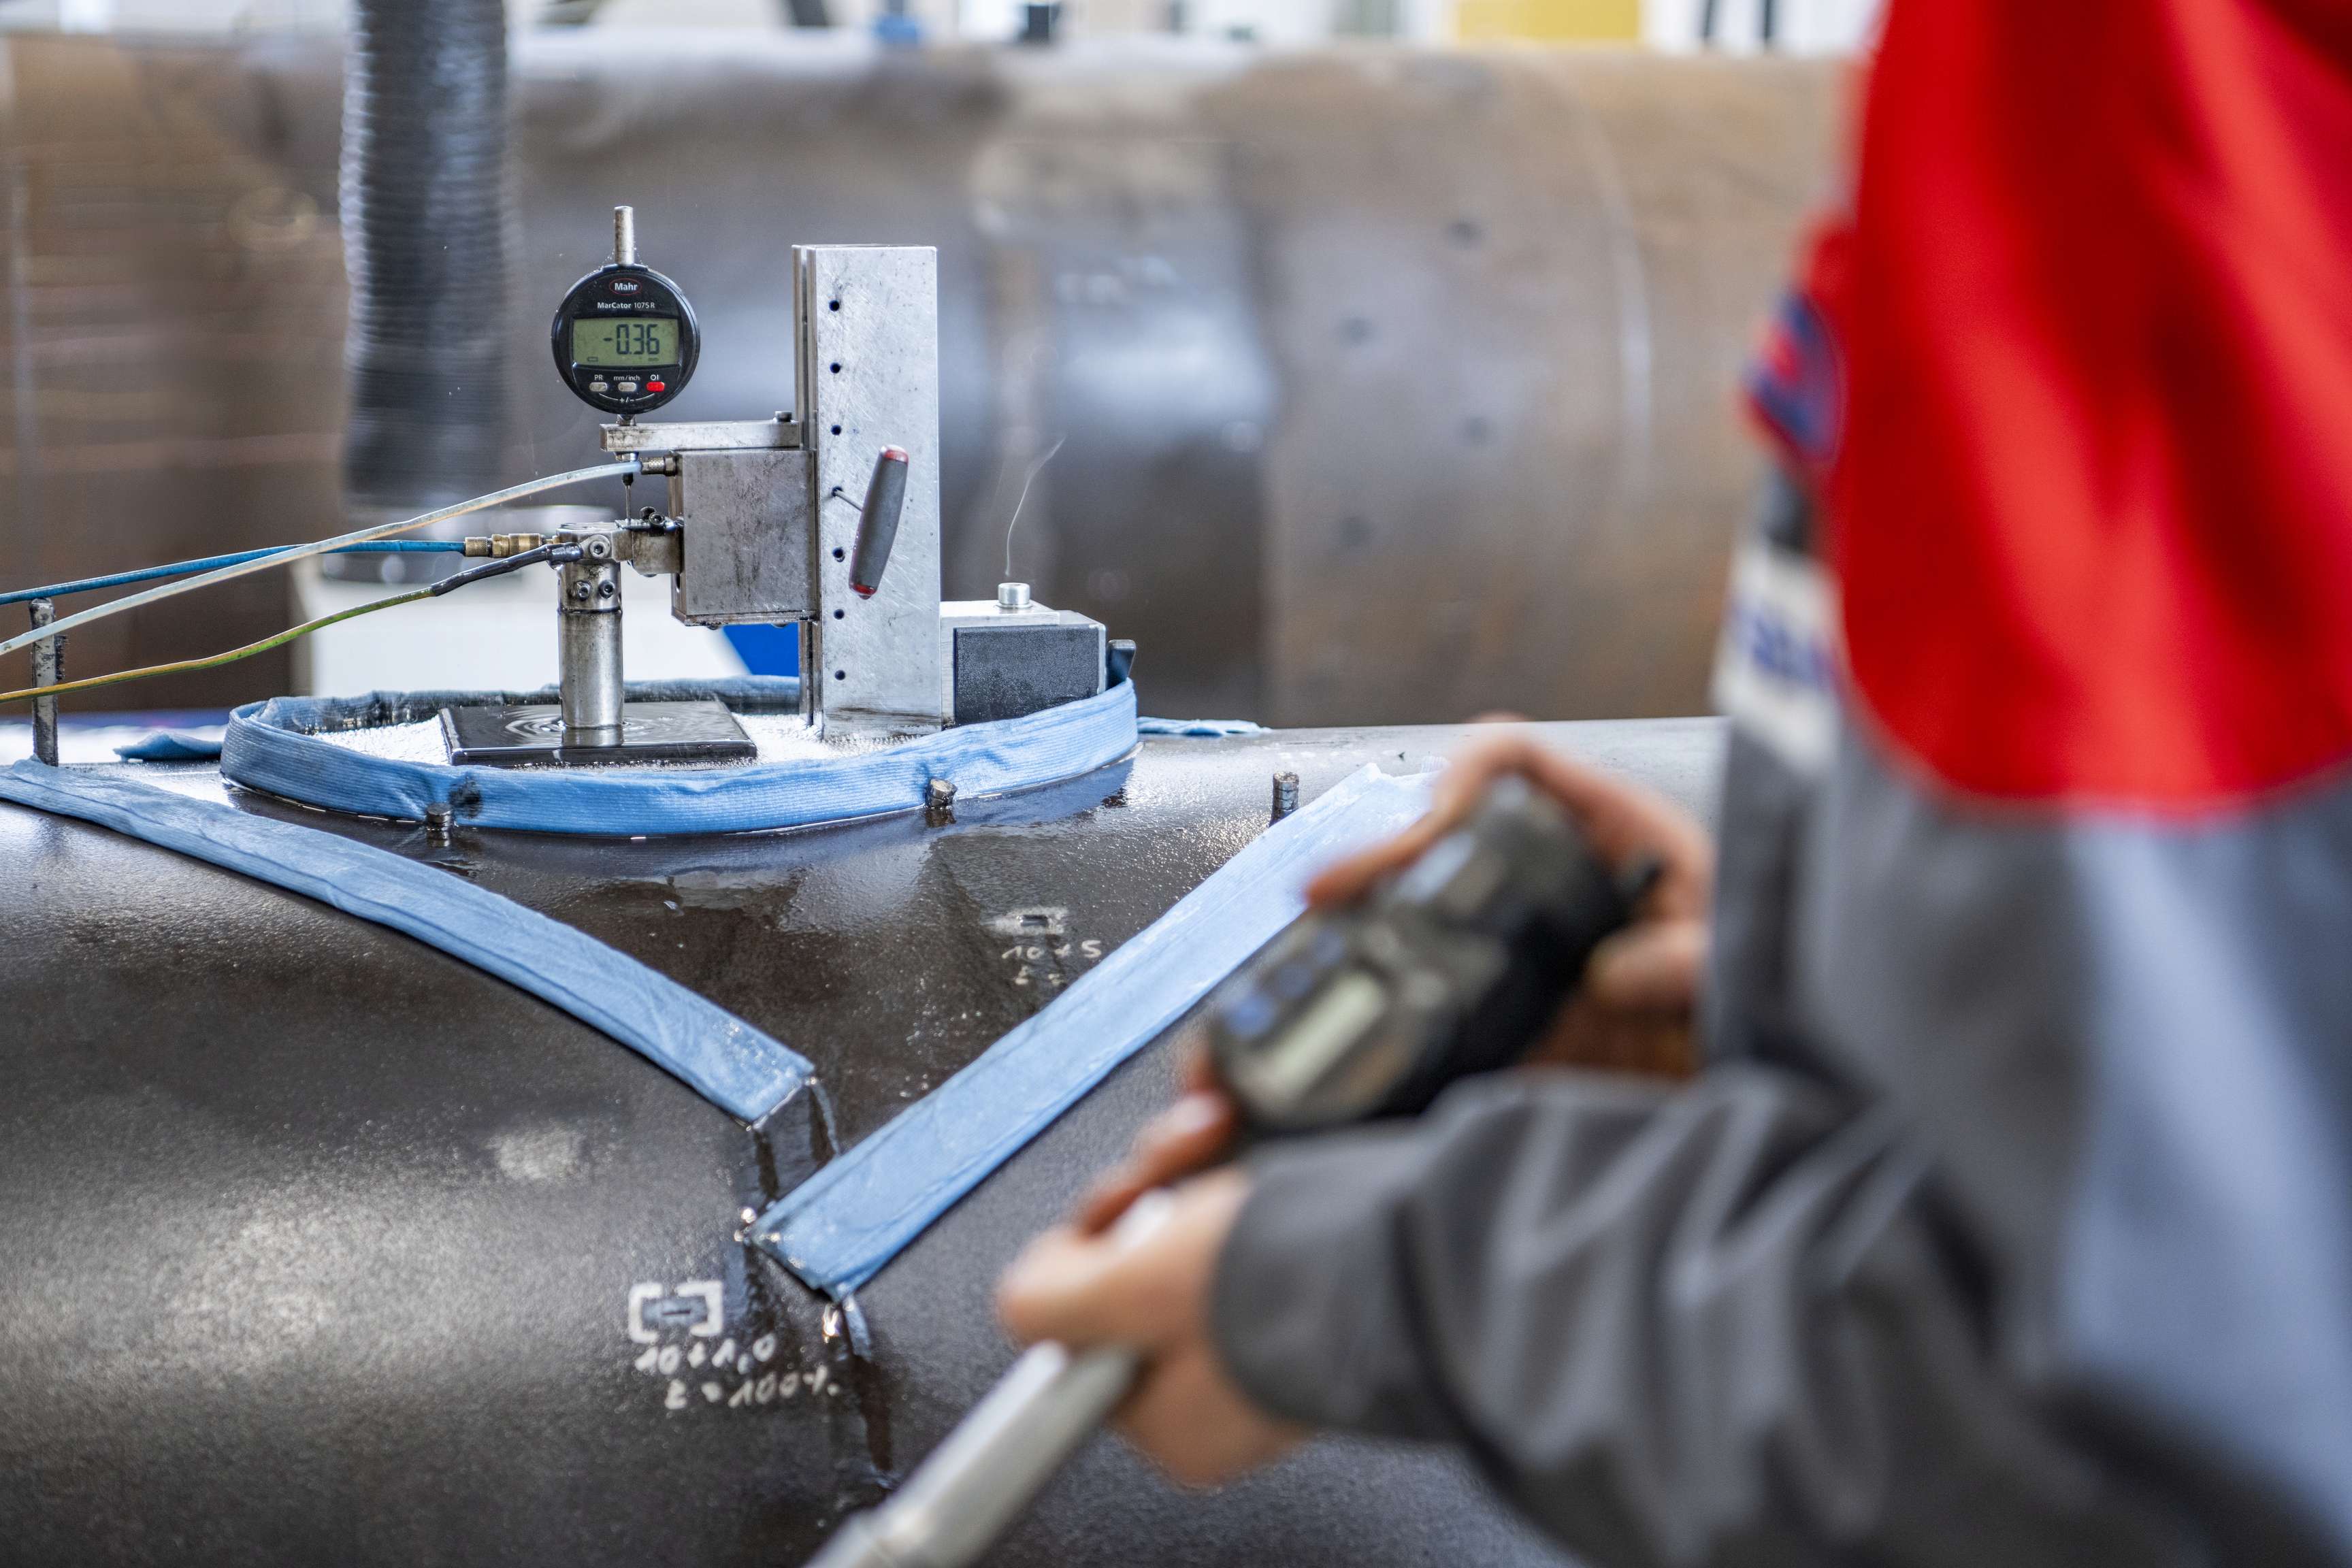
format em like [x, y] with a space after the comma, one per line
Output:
[275, 746]
[838, 1228]
[1201, 729]
[170, 746]
[730, 1063]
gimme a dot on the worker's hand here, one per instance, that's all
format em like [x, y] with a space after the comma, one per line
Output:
[1634, 1013]
[1189, 1136]
[1144, 1283]
[1635, 1010]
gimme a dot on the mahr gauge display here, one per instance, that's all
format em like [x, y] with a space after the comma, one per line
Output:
[625, 339]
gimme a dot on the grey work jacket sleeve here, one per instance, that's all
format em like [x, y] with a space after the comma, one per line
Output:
[1712, 1324]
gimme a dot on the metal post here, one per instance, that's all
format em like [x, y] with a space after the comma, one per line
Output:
[588, 646]
[868, 340]
[1285, 794]
[48, 669]
[624, 235]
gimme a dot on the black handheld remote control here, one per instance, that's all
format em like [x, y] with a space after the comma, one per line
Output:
[1453, 966]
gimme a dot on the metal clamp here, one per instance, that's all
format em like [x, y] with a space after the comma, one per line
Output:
[48, 669]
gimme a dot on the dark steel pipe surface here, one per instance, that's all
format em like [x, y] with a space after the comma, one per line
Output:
[318, 1245]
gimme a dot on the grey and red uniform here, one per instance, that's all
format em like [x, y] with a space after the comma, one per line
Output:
[2010, 1219]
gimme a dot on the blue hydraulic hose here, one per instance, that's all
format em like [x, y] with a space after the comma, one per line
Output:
[158, 592]
[183, 568]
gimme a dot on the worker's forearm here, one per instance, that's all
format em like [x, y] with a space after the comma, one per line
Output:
[1692, 1327]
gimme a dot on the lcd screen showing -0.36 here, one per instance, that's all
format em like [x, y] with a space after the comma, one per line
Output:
[645, 339]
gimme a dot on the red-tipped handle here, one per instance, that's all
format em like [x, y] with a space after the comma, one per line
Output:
[878, 525]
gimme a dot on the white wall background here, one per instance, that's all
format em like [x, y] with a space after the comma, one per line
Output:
[1801, 26]
[172, 15]
[1808, 26]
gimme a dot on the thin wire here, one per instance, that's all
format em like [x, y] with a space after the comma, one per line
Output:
[1017, 505]
[296, 552]
[182, 568]
[214, 661]
[557, 552]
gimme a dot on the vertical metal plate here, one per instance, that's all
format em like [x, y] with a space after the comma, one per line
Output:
[746, 554]
[868, 379]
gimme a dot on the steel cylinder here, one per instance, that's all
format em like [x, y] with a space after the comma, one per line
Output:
[1393, 384]
[588, 651]
[1397, 383]
[319, 1245]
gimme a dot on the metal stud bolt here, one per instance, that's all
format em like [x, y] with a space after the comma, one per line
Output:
[48, 669]
[1285, 794]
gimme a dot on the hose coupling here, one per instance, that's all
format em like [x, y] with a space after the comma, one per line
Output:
[502, 545]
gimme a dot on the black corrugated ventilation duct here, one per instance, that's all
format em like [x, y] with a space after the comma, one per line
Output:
[425, 225]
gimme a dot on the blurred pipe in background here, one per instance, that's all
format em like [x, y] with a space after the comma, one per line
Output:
[424, 218]
[1398, 384]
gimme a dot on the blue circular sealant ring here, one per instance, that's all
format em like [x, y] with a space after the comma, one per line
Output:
[276, 746]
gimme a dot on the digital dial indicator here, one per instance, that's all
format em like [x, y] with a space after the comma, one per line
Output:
[625, 339]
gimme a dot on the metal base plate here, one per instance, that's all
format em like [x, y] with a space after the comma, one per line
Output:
[532, 736]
